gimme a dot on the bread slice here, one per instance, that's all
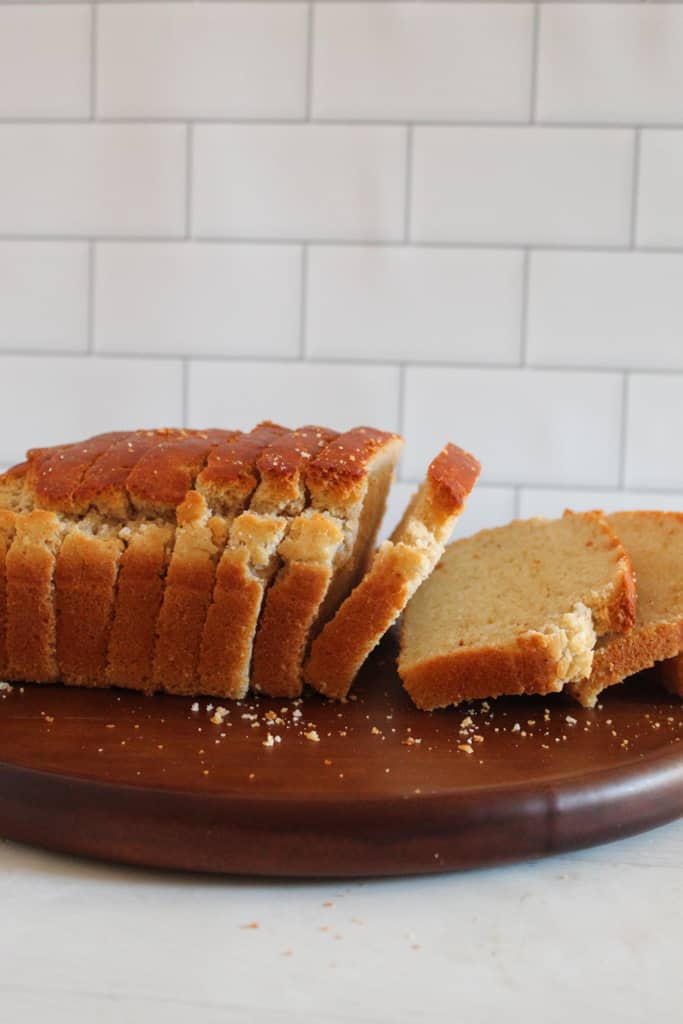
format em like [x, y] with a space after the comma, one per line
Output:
[324, 553]
[250, 559]
[400, 565]
[654, 541]
[223, 488]
[516, 610]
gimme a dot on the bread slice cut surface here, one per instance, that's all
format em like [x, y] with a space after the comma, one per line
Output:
[516, 610]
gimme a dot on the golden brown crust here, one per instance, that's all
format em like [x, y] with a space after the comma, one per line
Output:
[31, 630]
[451, 476]
[186, 598]
[338, 475]
[85, 575]
[229, 476]
[363, 618]
[283, 630]
[104, 484]
[138, 597]
[228, 630]
[524, 667]
[7, 526]
[160, 480]
[55, 474]
[617, 657]
[282, 467]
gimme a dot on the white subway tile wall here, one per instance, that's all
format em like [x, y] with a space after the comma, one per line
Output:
[461, 220]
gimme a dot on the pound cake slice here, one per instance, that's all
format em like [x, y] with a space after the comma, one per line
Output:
[654, 541]
[325, 552]
[400, 565]
[516, 610]
[250, 559]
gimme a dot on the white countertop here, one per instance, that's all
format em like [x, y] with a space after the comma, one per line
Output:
[589, 936]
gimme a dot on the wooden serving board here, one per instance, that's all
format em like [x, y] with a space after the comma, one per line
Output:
[386, 789]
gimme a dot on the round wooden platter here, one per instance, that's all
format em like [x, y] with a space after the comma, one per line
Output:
[385, 789]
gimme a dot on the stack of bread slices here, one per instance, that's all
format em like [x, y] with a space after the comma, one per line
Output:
[218, 561]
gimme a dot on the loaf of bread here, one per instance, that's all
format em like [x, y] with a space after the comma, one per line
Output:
[142, 559]
[654, 541]
[516, 610]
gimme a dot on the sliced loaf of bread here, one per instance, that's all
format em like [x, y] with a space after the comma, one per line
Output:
[400, 565]
[516, 610]
[654, 541]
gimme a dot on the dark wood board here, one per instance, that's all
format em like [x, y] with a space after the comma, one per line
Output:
[146, 780]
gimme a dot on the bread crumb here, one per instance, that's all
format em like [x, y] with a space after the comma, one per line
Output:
[268, 741]
[5, 688]
[195, 707]
[312, 735]
[570, 719]
[467, 721]
[516, 727]
[375, 731]
[466, 748]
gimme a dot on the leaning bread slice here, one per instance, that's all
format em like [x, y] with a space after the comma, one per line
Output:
[654, 541]
[250, 559]
[400, 565]
[222, 489]
[324, 553]
[516, 610]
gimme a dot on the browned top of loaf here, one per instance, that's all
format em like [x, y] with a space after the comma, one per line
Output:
[54, 474]
[163, 476]
[282, 467]
[452, 475]
[342, 466]
[292, 452]
[104, 484]
[231, 465]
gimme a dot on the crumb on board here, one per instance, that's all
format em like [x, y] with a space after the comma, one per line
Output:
[312, 735]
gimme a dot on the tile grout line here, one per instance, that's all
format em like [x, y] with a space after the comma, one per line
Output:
[623, 428]
[401, 398]
[408, 184]
[524, 319]
[185, 393]
[359, 362]
[189, 178]
[310, 36]
[94, 31]
[92, 255]
[635, 186]
[303, 304]
[517, 501]
[293, 241]
[535, 57]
